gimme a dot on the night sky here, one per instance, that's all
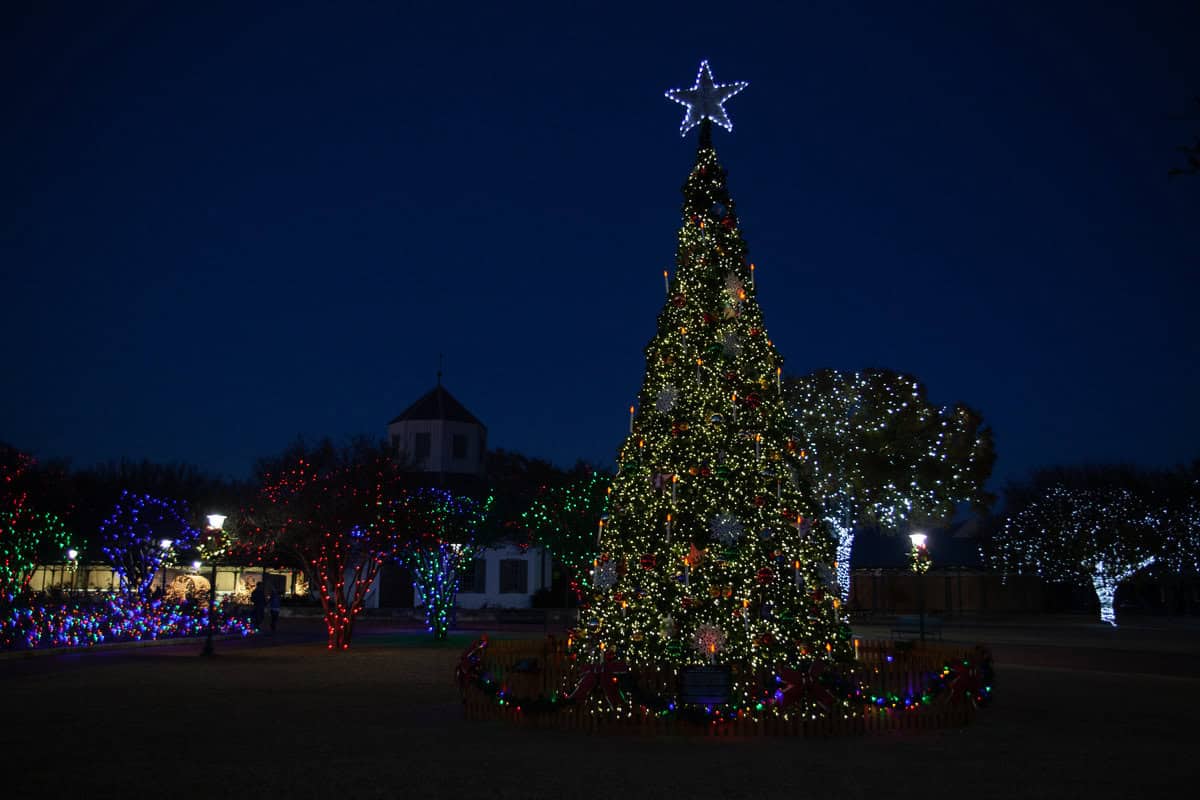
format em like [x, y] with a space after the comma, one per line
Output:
[226, 225]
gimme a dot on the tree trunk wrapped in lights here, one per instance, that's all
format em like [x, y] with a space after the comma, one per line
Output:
[712, 552]
[27, 537]
[879, 453]
[139, 535]
[1098, 537]
[440, 532]
[330, 511]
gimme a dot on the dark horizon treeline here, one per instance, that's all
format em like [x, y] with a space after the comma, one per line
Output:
[83, 497]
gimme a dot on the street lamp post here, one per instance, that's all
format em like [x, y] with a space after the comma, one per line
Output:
[920, 565]
[72, 555]
[165, 545]
[215, 523]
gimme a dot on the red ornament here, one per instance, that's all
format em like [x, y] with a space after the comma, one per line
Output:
[619, 596]
[731, 376]
[764, 576]
[708, 318]
[753, 400]
[648, 561]
[705, 472]
[755, 331]
[729, 222]
[679, 301]
[759, 500]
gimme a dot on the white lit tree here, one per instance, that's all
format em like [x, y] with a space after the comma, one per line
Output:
[1099, 537]
[879, 453]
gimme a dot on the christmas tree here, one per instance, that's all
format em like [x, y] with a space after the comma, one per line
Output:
[711, 553]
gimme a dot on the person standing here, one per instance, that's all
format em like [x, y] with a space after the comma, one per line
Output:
[258, 598]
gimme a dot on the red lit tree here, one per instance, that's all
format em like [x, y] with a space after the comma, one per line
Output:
[329, 511]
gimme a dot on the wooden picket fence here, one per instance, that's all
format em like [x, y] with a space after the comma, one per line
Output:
[540, 668]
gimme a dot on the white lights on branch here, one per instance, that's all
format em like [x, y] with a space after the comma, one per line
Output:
[705, 100]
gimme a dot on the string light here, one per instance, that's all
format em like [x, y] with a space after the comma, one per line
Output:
[702, 522]
[705, 100]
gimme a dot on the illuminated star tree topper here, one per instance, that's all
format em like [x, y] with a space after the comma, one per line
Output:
[705, 100]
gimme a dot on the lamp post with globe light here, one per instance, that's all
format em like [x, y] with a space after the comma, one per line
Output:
[919, 556]
[165, 546]
[215, 523]
[72, 555]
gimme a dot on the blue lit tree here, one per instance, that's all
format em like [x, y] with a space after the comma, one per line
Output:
[134, 538]
[440, 531]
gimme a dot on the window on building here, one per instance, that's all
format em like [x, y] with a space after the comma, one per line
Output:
[473, 578]
[514, 576]
[396, 442]
[422, 446]
[459, 446]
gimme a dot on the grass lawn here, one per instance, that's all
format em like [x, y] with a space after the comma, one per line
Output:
[1074, 717]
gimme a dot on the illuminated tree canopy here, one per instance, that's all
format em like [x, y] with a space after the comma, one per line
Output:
[329, 510]
[134, 537]
[439, 532]
[878, 452]
[1088, 536]
[564, 520]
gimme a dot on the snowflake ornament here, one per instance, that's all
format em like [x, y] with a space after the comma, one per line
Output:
[731, 345]
[726, 529]
[666, 399]
[605, 575]
[708, 639]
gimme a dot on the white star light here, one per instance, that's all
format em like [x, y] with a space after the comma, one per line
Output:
[705, 100]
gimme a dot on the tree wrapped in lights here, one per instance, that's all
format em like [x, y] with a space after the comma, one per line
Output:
[1097, 536]
[138, 535]
[564, 521]
[711, 553]
[439, 532]
[28, 538]
[878, 452]
[331, 511]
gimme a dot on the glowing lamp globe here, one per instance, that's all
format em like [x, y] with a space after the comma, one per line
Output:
[917, 539]
[216, 521]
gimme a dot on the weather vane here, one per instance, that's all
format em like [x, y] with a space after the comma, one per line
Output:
[705, 100]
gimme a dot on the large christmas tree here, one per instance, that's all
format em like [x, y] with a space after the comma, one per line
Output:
[711, 553]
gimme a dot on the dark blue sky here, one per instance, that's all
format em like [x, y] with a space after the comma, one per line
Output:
[224, 227]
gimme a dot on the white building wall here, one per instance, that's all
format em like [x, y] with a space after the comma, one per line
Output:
[539, 576]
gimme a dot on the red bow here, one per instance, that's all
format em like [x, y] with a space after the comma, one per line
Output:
[606, 676]
[800, 684]
[468, 665]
